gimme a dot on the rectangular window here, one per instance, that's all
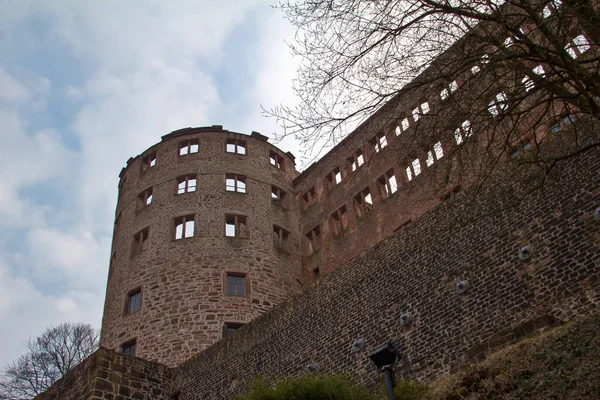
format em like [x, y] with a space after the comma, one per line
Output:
[149, 161]
[387, 184]
[356, 160]
[463, 132]
[453, 86]
[378, 143]
[144, 199]
[429, 160]
[134, 301]
[229, 328]
[139, 242]
[333, 178]
[444, 94]
[416, 165]
[577, 46]
[498, 104]
[275, 160]
[188, 147]
[409, 174]
[235, 183]
[363, 202]
[236, 146]
[404, 124]
[186, 184]
[438, 151]
[309, 197]
[236, 285]
[280, 238]
[128, 348]
[420, 110]
[339, 220]
[278, 195]
[184, 227]
[313, 240]
[235, 226]
[316, 273]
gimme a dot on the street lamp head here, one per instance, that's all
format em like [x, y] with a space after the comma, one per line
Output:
[384, 355]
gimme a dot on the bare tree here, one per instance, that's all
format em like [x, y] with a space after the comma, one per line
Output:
[515, 66]
[48, 358]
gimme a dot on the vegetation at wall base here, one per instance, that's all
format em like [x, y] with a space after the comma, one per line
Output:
[561, 364]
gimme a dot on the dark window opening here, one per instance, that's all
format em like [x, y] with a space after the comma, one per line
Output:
[140, 242]
[134, 301]
[229, 328]
[309, 197]
[236, 285]
[128, 348]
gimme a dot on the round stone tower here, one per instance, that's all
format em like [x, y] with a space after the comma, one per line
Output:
[205, 240]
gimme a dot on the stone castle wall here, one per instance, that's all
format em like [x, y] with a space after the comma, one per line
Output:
[183, 282]
[416, 269]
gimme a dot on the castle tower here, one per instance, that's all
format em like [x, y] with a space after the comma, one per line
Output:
[205, 240]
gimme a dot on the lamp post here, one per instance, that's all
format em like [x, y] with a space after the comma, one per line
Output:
[384, 357]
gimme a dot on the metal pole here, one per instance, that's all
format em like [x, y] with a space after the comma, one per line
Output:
[388, 372]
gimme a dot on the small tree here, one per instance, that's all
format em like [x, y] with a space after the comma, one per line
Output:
[49, 357]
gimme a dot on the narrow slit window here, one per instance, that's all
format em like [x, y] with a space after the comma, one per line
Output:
[236, 146]
[409, 174]
[188, 147]
[235, 183]
[235, 226]
[183, 227]
[398, 131]
[363, 202]
[186, 184]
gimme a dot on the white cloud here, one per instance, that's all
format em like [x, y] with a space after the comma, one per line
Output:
[143, 69]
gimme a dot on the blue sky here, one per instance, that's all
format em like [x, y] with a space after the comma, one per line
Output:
[84, 85]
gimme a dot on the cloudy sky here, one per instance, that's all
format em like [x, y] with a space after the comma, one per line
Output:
[84, 85]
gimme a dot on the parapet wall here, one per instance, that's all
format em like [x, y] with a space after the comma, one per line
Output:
[416, 269]
[107, 375]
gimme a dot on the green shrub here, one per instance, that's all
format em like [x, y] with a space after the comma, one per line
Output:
[407, 390]
[310, 387]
